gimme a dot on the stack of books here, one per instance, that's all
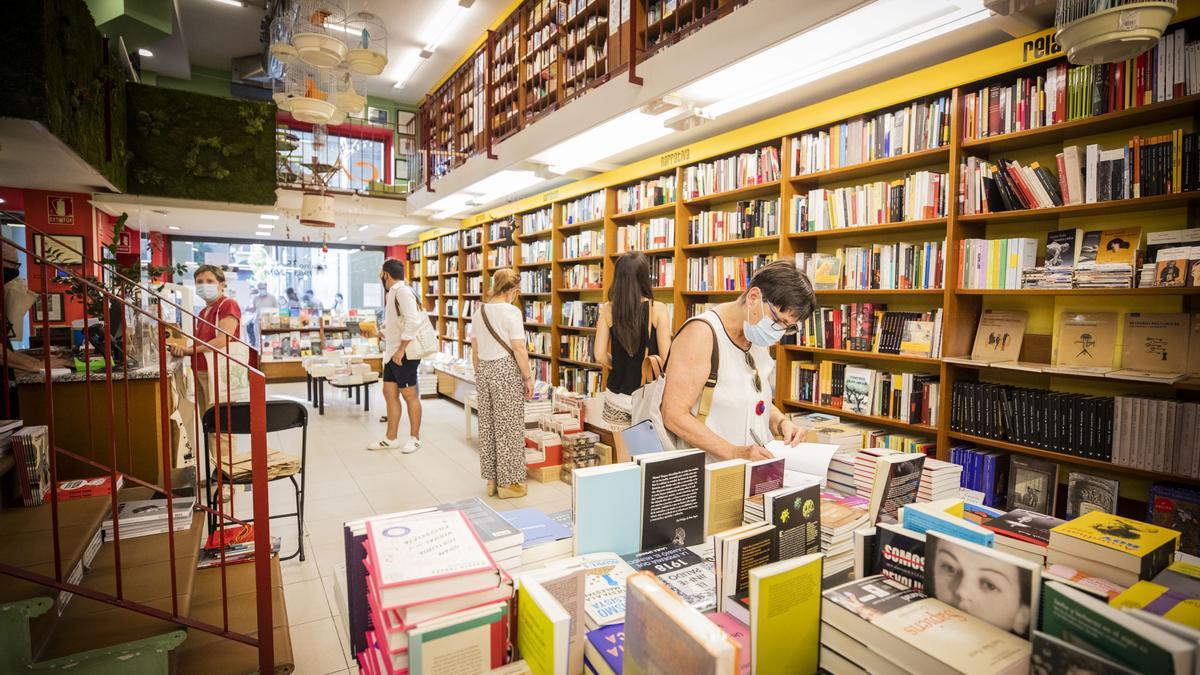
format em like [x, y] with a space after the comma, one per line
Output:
[939, 480]
[1119, 549]
[841, 515]
[428, 579]
[1022, 533]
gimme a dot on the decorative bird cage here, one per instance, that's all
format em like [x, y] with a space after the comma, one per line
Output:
[308, 92]
[319, 32]
[366, 36]
[1109, 31]
[348, 92]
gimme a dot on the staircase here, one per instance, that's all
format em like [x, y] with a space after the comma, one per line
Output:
[44, 630]
[70, 601]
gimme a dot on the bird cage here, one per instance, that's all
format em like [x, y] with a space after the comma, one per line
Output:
[308, 92]
[366, 36]
[348, 92]
[319, 32]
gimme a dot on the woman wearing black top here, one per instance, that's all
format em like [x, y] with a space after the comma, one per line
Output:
[631, 324]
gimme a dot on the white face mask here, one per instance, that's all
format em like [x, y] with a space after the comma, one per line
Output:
[208, 292]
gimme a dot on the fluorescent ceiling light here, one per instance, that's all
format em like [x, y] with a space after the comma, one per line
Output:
[865, 34]
[443, 21]
[600, 142]
[362, 227]
[232, 3]
[145, 52]
[269, 216]
[401, 230]
[173, 227]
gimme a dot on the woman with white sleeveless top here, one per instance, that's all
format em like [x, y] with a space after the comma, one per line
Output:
[742, 417]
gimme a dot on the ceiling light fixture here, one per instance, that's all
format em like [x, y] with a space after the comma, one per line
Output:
[232, 3]
[269, 216]
[145, 52]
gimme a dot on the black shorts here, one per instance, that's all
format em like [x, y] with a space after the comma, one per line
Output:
[403, 374]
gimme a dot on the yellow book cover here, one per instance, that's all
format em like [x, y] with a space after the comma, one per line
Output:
[1114, 532]
[1160, 600]
[785, 616]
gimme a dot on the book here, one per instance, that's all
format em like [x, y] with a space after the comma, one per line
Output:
[1033, 485]
[1052, 655]
[688, 571]
[1087, 493]
[472, 641]
[550, 621]
[424, 557]
[607, 508]
[999, 588]
[662, 629]
[672, 490]
[785, 615]
[1087, 341]
[763, 476]
[723, 495]
[1155, 343]
[921, 634]
[897, 479]
[796, 514]
[899, 555]
[1140, 548]
[605, 650]
[999, 335]
[1082, 620]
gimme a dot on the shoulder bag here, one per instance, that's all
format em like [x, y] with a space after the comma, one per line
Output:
[647, 400]
[425, 342]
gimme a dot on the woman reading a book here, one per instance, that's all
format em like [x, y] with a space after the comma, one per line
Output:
[735, 416]
[503, 382]
[633, 332]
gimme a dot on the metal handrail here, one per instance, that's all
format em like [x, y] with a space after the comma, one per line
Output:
[264, 641]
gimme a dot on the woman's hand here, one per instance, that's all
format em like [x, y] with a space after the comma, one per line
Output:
[754, 452]
[790, 432]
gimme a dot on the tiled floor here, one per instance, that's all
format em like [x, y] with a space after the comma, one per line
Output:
[346, 481]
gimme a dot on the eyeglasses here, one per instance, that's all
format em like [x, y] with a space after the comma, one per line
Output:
[779, 323]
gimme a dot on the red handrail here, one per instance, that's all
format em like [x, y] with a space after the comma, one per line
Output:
[264, 640]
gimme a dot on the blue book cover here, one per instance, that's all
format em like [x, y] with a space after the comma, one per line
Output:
[609, 641]
[921, 522]
[607, 503]
[537, 527]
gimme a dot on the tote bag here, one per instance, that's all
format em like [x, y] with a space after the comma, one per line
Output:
[647, 400]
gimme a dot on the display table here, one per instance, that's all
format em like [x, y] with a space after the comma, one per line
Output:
[137, 433]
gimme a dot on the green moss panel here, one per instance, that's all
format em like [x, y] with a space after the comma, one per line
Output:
[54, 71]
[194, 146]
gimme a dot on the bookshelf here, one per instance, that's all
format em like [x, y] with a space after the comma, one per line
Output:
[656, 188]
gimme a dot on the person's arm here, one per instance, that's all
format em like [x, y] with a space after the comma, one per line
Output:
[603, 328]
[663, 326]
[686, 375]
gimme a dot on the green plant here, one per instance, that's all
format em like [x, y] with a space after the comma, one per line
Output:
[120, 279]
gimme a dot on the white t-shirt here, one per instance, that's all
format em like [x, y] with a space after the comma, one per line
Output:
[509, 324]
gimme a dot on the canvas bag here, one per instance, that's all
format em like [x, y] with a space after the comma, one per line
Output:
[425, 342]
[647, 400]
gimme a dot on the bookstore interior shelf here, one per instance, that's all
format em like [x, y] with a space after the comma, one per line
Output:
[667, 209]
[909, 160]
[732, 243]
[1099, 208]
[1096, 124]
[849, 354]
[1068, 459]
[873, 419]
[900, 226]
[748, 192]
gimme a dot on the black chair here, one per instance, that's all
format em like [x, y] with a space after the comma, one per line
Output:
[235, 420]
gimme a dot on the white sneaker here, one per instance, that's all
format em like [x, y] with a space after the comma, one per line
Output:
[411, 446]
[384, 444]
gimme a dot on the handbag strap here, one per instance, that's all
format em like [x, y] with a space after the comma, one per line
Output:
[487, 322]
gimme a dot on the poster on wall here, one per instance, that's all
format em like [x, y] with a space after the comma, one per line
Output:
[60, 210]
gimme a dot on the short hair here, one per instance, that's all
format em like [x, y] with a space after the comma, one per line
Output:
[213, 269]
[785, 286]
[393, 268]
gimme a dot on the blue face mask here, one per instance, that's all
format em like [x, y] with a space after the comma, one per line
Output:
[764, 333]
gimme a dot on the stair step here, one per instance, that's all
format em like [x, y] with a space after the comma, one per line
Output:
[146, 579]
[207, 653]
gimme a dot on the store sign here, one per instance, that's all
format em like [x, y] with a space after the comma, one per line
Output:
[60, 210]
